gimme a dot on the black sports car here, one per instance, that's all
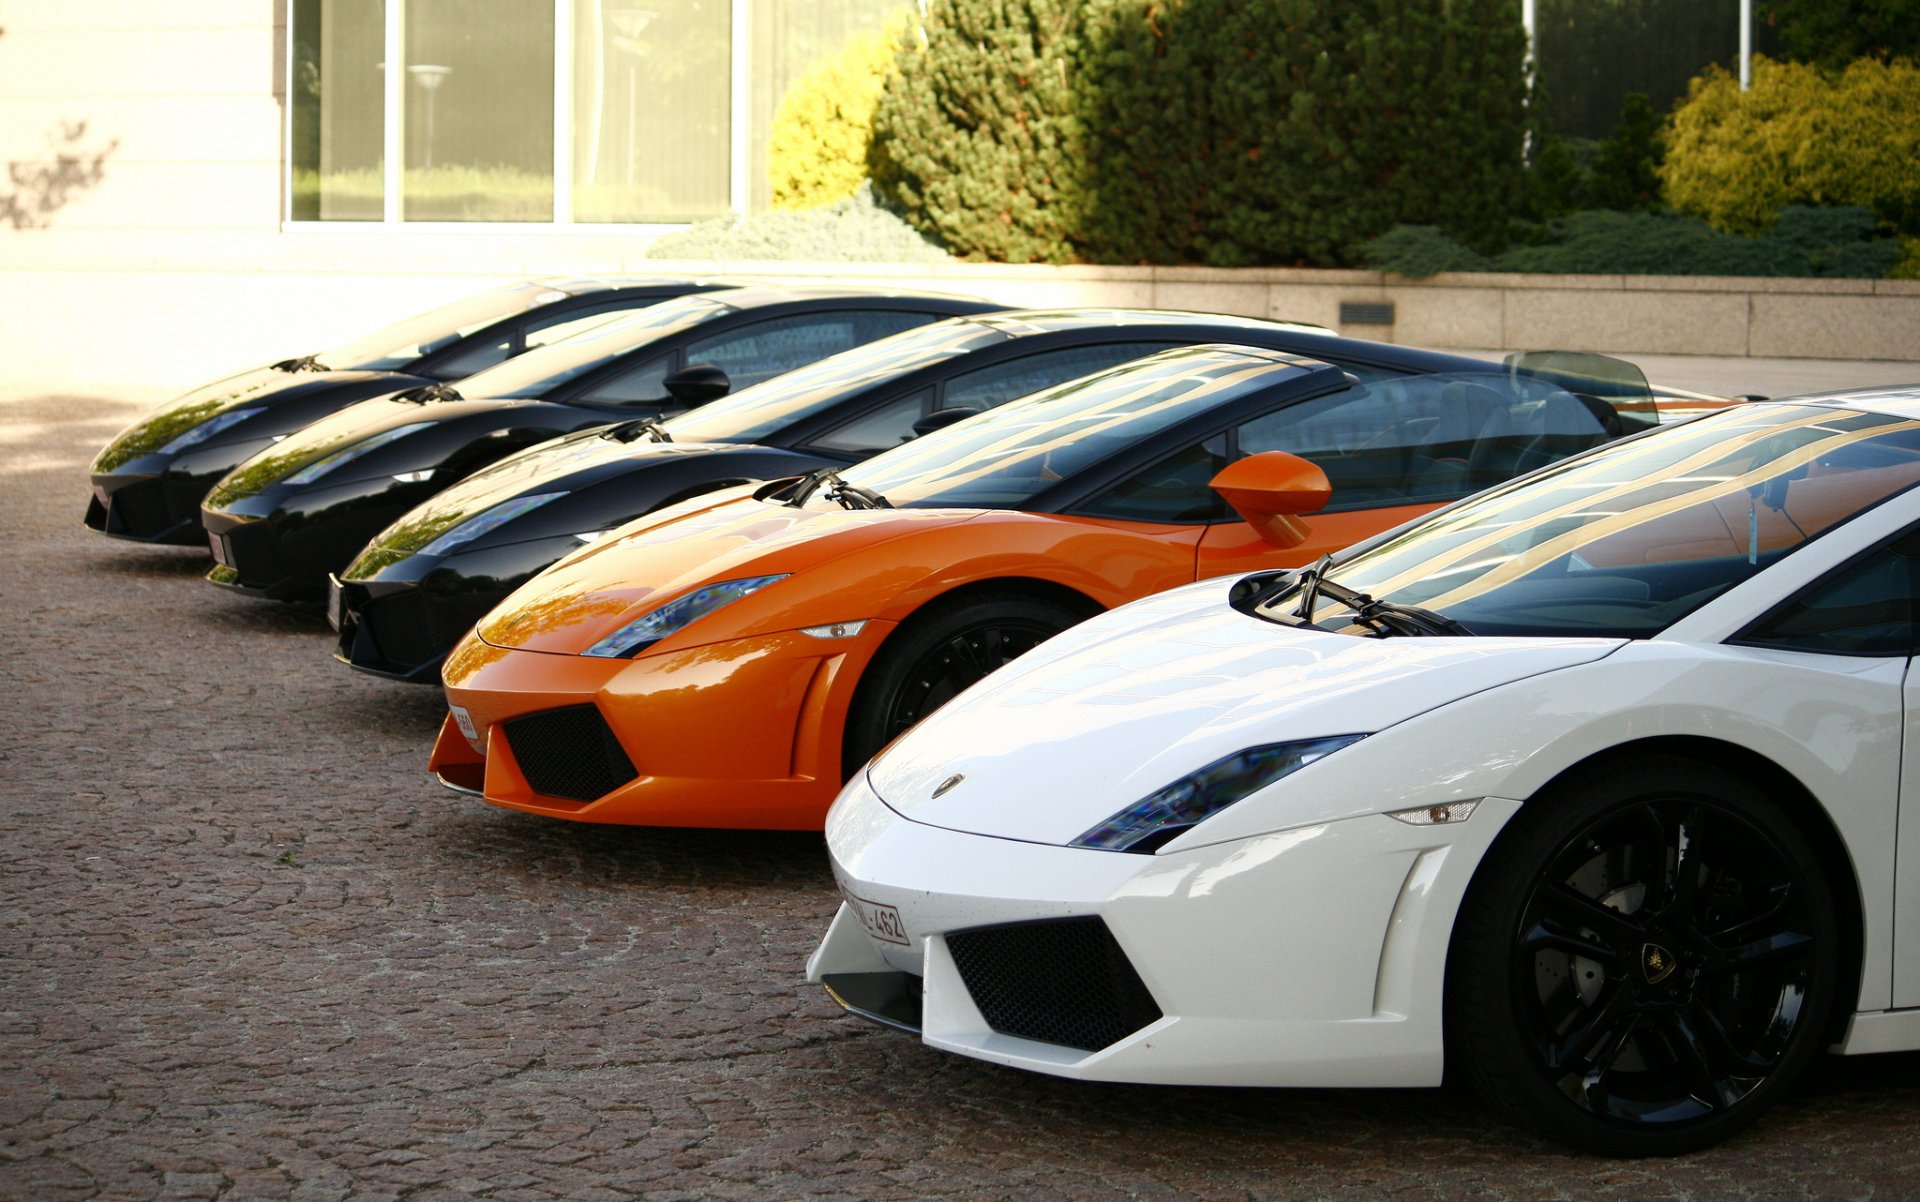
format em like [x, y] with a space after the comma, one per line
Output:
[410, 595]
[282, 521]
[149, 481]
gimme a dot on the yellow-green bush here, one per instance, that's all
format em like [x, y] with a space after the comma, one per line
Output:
[1798, 136]
[818, 145]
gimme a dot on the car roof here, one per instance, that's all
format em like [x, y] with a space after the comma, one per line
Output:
[1894, 400]
[580, 285]
[763, 297]
[1030, 321]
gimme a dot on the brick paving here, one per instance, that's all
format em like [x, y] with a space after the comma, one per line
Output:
[248, 950]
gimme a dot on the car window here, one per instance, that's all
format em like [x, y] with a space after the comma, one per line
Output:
[644, 384]
[1625, 542]
[888, 426]
[998, 383]
[1176, 489]
[534, 332]
[765, 349]
[1868, 607]
[1420, 439]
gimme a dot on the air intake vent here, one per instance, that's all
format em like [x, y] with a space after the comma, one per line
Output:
[1062, 981]
[569, 753]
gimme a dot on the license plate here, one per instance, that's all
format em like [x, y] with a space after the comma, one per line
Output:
[464, 720]
[218, 544]
[880, 920]
[336, 604]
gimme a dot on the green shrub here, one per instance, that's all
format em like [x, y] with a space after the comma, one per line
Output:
[817, 150]
[1282, 131]
[1798, 136]
[1835, 242]
[1832, 33]
[976, 139]
[852, 230]
[1569, 175]
[1907, 266]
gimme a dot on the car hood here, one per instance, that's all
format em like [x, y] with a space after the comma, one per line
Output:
[565, 464]
[261, 386]
[337, 432]
[1132, 701]
[724, 536]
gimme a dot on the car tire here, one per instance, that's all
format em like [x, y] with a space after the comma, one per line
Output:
[946, 646]
[1646, 960]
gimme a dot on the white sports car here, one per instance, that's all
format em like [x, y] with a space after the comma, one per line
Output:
[1589, 788]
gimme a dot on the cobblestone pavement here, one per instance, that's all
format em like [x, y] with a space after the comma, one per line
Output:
[250, 951]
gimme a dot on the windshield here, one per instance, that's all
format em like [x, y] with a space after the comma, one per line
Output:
[543, 369]
[1007, 456]
[757, 413]
[398, 345]
[1626, 541]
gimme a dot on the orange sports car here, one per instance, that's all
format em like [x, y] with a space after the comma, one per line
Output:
[729, 661]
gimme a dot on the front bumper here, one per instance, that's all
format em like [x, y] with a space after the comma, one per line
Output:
[283, 544]
[1309, 957]
[156, 499]
[400, 618]
[741, 734]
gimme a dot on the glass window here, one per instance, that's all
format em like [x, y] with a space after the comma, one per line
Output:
[642, 385]
[1625, 542]
[396, 346]
[539, 371]
[1419, 439]
[763, 350]
[652, 93]
[1008, 456]
[788, 41]
[1869, 607]
[879, 430]
[479, 110]
[998, 383]
[337, 126]
[1175, 490]
[758, 413]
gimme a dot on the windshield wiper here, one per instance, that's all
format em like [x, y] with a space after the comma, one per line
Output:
[848, 496]
[304, 363]
[429, 393]
[1382, 617]
[630, 431]
[1309, 582]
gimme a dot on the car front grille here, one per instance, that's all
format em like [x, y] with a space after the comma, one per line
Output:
[1063, 981]
[403, 629]
[137, 510]
[254, 553]
[569, 753]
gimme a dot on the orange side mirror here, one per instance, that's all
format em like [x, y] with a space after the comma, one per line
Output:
[1269, 489]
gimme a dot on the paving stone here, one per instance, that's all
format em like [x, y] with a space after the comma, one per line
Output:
[248, 950]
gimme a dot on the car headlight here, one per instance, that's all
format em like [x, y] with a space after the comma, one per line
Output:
[207, 429]
[1158, 817]
[676, 615]
[345, 455]
[485, 520]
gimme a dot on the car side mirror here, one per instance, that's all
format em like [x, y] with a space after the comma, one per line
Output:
[940, 419]
[1269, 489]
[698, 384]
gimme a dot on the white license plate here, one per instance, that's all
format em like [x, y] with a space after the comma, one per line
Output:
[336, 604]
[464, 720]
[218, 544]
[880, 920]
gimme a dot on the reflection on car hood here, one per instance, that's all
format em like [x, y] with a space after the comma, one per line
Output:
[563, 465]
[595, 591]
[354, 424]
[261, 385]
[1132, 701]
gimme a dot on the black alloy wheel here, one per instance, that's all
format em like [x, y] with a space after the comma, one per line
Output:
[1646, 960]
[945, 647]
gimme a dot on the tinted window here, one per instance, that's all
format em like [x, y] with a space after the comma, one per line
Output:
[1869, 607]
[643, 384]
[534, 332]
[888, 426]
[1420, 439]
[998, 383]
[1625, 542]
[750, 354]
[1174, 490]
